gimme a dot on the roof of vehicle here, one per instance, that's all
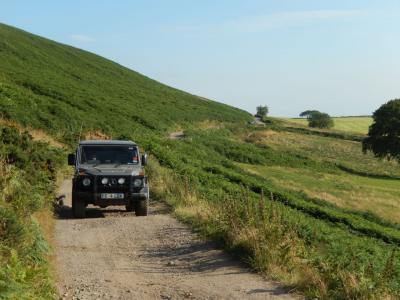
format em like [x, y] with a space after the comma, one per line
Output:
[106, 142]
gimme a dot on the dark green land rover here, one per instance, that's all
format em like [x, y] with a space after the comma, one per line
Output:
[108, 173]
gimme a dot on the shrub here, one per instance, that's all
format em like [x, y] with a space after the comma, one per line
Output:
[320, 120]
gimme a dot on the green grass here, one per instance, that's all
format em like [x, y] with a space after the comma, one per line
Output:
[58, 88]
[27, 174]
[374, 195]
[341, 152]
[349, 124]
[337, 245]
[356, 181]
[258, 192]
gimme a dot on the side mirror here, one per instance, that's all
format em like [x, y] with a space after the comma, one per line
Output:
[71, 159]
[144, 159]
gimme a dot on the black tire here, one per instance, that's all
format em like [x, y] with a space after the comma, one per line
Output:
[141, 208]
[78, 207]
[129, 207]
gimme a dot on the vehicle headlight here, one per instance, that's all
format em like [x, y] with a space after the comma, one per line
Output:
[137, 182]
[121, 180]
[86, 182]
[104, 180]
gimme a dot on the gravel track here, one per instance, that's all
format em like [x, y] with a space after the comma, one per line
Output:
[113, 254]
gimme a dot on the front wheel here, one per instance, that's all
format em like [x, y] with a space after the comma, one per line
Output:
[141, 208]
[78, 207]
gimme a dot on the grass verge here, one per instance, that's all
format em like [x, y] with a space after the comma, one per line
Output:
[27, 171]
[271, 238]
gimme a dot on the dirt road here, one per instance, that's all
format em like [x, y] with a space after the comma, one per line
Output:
[114, 255]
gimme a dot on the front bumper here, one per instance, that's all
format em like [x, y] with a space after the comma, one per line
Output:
[129, 197]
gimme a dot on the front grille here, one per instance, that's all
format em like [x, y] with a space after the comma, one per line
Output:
[113, 185]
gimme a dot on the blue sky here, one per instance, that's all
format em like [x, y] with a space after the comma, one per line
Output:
[341, 57]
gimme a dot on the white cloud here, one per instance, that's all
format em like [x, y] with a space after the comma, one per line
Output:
[265, 22]
[81, 38]
[282, 19]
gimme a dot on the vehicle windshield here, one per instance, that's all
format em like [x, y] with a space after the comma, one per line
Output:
[96, 155]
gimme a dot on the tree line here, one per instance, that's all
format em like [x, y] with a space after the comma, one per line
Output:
[315, 118]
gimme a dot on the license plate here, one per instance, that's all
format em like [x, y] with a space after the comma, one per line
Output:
[112, 196]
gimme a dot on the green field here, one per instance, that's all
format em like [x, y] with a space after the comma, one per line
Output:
[350, 124]
[360, 191]
[305, 207]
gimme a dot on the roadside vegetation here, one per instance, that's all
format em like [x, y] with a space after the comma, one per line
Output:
[323, 250]
[287, 199]
[27, 177]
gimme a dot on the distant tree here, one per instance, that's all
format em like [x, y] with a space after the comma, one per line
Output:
[384, 134]
[307, 113]
[318, 119]
[262, 111]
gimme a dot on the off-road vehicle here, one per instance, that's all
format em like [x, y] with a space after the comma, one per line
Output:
[109, 173]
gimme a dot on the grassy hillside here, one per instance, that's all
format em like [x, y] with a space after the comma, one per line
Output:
[349, 124]
[48, 85]
[51, 90]
[304, 206]
[264, 199]
[350, 178]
